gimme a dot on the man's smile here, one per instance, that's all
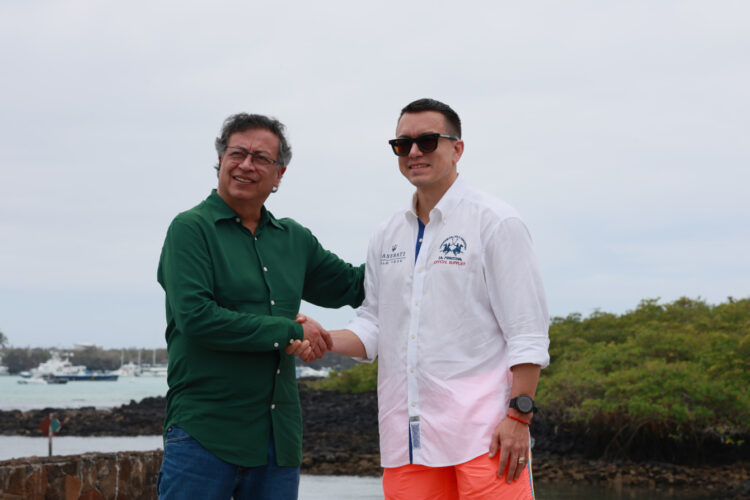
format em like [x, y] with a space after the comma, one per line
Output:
[418, 165]
[243, 180]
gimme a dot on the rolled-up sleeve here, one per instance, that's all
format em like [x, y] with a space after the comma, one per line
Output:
[516, 293]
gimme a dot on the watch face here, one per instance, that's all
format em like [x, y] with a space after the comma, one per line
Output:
[524, 404]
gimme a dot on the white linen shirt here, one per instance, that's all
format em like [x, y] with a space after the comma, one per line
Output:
[447, 329]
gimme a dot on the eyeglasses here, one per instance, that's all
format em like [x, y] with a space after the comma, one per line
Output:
[238, 155]
[427, 143]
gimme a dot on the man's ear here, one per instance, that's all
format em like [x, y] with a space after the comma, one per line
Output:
[281, 174]
[458, 150]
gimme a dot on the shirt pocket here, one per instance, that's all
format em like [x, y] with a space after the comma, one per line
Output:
[453, 286]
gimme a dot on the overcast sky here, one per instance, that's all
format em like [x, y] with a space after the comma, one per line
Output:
[619, 130]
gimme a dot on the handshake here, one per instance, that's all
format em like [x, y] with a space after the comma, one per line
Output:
[317, 341]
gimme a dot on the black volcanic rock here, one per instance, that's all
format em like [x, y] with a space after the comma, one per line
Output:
[340, 433]
[134, 419]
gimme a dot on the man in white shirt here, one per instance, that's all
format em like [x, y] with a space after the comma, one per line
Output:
[455, 312]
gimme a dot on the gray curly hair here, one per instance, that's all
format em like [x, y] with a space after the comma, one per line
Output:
[243, 121]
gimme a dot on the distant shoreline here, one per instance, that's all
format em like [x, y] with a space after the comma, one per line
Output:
[341, 438]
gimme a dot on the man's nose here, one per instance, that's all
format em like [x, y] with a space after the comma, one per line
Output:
[415, 151]
[247, 163]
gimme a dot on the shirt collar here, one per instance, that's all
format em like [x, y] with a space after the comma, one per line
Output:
[219, 210]
[447, 203]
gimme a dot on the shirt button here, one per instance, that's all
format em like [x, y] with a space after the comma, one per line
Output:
[274, 406]
[413, 404]
[273, 302]
[256, 238]
[419, 270]
[276, 344]
[416, 302]
[411, 370]
[278, 371]
[236, 219]
[413, 337]
[420, 240]
[265, 268]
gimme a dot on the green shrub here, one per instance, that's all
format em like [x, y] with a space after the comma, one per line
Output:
[361, 378]
[679, 368]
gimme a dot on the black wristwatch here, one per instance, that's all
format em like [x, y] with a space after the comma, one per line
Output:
[523, 403]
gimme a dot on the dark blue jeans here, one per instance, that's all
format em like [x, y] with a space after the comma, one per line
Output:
[191, 471]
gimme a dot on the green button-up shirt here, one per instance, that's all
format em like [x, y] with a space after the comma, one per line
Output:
[231, 300]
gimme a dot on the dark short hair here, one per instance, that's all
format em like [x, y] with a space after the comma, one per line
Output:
[451, 117]
[243, 121]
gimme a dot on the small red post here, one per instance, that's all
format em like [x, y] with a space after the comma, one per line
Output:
[49, 434]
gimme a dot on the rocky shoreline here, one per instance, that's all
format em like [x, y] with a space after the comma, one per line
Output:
[341, 438]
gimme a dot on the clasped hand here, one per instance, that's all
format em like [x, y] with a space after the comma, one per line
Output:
[315, 342]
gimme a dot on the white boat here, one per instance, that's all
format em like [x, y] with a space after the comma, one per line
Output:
[154, 369]
[62, 369]
[129, 369]
[55, 365]
[143, 370]
[159, 370]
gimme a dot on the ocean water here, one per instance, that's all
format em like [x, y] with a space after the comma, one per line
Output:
[24, 446]
[15, 396]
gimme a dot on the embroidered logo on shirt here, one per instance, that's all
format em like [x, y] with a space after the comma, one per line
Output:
[450, 251]
[392, 257]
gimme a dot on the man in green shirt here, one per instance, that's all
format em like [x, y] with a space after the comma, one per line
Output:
[234, 276]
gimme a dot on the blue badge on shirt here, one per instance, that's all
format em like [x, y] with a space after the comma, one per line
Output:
[451, 250]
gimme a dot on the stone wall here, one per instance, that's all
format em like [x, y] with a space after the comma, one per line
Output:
[91, 476]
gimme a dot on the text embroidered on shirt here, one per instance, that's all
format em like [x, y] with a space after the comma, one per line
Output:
[392, 257]
[450, 251]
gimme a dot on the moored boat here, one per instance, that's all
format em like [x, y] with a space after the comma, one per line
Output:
[60, 370]
[159, 370]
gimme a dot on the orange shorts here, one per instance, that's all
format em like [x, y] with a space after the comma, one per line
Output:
[475, 479]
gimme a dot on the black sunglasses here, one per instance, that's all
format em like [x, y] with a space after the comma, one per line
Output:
[427, 143]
